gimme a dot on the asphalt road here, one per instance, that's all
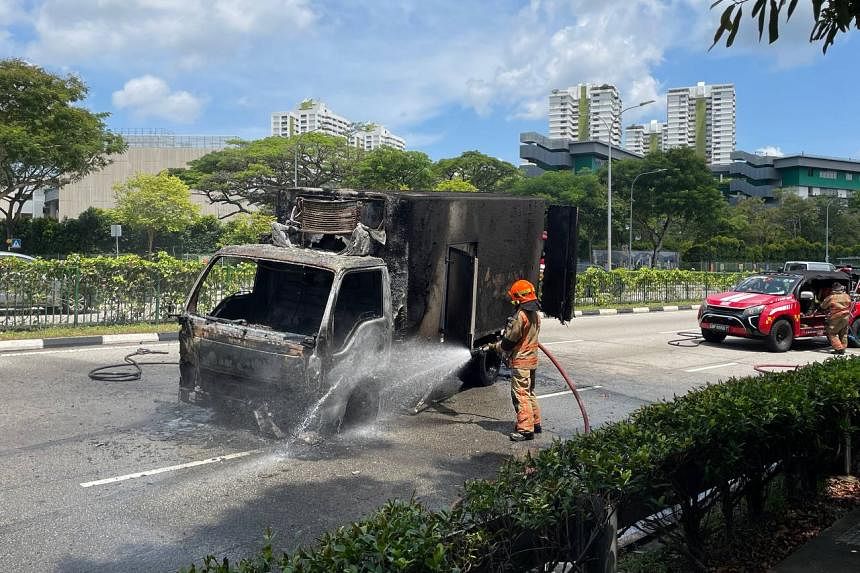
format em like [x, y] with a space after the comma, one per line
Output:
[72, 450]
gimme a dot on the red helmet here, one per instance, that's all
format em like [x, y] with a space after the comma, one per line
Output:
[522, 291]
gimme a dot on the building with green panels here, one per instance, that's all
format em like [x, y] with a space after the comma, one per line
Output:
[540, 154]
[761, 176]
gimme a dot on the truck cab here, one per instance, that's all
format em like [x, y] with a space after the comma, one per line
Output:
[269, 327]
[776, 307]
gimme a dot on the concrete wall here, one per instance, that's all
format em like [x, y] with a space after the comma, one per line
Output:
[96, 190]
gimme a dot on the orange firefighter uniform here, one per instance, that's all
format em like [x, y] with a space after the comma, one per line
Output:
[520, 344]
[838, 307]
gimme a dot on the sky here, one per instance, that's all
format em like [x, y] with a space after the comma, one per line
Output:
[448, 75]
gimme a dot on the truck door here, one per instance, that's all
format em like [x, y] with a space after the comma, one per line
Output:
[360, 324]
[458, 324]
[559, 275]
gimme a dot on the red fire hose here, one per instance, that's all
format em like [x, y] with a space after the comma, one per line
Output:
[570, 385]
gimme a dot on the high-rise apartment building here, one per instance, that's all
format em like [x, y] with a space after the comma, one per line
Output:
[585, 112]
[703, 117]
[311, 115]
[373, 136]
[645, 138]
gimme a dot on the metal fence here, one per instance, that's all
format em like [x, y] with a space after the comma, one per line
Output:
[55, 293]
[632, 288]
[45, 295]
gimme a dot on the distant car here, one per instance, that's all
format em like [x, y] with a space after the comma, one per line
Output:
[807, 266]
[11, 299]
[5, 254]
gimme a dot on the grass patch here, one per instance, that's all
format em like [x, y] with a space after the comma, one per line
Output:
[90, 330]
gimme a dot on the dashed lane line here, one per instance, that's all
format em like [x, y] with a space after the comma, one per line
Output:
[567, 392]
[562, 342]
[711, 367]
[156, 471]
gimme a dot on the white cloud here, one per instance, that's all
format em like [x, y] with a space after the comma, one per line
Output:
[149, 96]
[187, 32]
[770, 150]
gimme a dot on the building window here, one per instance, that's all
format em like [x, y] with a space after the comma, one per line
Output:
[827, 174]
[849, 177]
[810, 172]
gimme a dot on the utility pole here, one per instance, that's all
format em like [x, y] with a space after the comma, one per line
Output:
[609, 183]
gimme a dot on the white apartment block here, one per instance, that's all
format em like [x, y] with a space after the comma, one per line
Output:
[376, 136]
[585, 112]
[311, 115]
[645, 138]
[703, 117]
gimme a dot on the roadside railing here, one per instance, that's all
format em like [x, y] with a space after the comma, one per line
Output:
[106, 290]
[596, 287]
[129, 289]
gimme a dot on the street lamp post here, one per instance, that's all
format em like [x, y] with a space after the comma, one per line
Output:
[630, 239]
[609, 183]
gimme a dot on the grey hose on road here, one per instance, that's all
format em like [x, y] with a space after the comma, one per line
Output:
[106, 374]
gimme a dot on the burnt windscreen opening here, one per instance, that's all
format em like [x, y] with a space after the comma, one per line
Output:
[359, 299]
[280, 296]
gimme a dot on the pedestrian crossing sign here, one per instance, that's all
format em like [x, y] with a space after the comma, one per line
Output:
[16, 244]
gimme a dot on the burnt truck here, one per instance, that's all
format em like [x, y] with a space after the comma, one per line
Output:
[308, 330]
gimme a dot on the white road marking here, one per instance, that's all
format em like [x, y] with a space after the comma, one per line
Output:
[561, 342]
[169, 468]
[711, 367]
[567, 392]
[84, 349]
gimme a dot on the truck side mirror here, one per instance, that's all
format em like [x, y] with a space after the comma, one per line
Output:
[807, 295]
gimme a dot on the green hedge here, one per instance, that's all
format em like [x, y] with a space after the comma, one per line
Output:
[596, 286]
[105, 290]
[726, 440]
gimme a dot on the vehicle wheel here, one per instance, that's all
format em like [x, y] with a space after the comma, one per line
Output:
[854, 334]
[484, 368]
[781, 336]
[711, 336]
[363, 405]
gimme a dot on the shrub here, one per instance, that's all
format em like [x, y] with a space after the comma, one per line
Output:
[711, 447]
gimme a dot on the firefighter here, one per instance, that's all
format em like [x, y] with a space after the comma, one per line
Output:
[519, 344]
[837, 305]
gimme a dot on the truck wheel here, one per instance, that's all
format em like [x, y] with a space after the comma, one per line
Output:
[363, 405]
[485, 368]
[854, 334]
[781, 336]
[711, 336]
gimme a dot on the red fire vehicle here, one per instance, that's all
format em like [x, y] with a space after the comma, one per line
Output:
[778, 308]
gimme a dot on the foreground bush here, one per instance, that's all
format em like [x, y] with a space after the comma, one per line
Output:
[710, 448]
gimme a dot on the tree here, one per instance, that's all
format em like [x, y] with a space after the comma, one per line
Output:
[156, 203]
[682, 199]
[246, 229]
[484, 172]
[830, 17]
[583, 190]
[455, 185]
[45, 141]
[253, 172]
[389, 168]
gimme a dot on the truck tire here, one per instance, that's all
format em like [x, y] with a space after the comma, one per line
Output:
[485, 368]
[854, 334]
[781, 336]
[363, 405]
[711, 336]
